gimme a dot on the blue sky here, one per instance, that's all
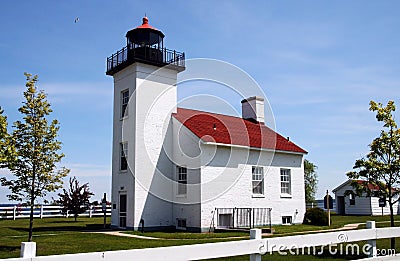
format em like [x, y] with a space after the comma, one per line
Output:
[318, 62]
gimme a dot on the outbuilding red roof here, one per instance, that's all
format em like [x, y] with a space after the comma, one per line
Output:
[363, 183]
[224, 129]
[372, 187]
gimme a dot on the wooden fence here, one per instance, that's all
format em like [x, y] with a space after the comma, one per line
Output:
[255, 247]
[44, 211]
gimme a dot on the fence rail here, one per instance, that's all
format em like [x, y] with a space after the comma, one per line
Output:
[255, 247]
[45, 211]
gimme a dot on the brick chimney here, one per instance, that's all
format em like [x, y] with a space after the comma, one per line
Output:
[253, 109]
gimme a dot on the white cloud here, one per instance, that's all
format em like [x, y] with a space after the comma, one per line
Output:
[98, 177]
[78, 88]
[63, 91]
[88, 170]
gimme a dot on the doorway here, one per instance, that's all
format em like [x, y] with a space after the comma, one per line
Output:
[122, 210]
[341, 206]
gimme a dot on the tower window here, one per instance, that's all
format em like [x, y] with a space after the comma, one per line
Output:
[124, 103]
[123, 156]
[285, 181]
[258, 180]
[182, 180]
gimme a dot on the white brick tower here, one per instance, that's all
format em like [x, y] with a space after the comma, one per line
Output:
[145, 75]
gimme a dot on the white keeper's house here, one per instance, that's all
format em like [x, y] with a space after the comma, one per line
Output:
[193, 170]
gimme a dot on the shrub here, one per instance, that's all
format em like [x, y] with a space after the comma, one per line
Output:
[316, 216]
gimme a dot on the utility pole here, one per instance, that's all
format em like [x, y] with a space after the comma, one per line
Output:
[328, 207]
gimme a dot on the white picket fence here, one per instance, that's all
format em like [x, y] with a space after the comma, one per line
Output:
[255, 247]
[44, 211]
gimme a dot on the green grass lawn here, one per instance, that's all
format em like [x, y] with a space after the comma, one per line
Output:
[64, 236]
[192, 236]
[61, 236]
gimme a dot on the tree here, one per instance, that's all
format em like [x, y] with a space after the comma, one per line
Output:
[3, 136]
[36, 147]
[380, 168]
[76, 199]
[310, 181]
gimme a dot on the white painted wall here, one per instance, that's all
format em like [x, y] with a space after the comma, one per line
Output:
[148, 132]
[187, 153]
[239, 174]
[122, 181]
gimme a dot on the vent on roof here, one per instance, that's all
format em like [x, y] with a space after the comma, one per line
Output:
[253, 109]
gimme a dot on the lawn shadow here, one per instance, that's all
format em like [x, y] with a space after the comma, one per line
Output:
[9, 248]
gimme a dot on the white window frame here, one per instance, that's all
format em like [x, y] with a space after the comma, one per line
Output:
[181, 178]
[124, 103]
[286, 182]
[352, 198]
[123, 155]
[257, 180]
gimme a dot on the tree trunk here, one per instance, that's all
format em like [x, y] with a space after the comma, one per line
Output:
[392, 240]
[31, 219]
[32, 205]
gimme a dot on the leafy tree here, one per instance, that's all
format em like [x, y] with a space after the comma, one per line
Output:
[76, 199]
[3, 135]
[6, 151]
[310, 180]
[380, 168]
[37, 151]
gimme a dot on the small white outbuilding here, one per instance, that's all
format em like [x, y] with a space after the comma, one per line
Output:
[348, 203]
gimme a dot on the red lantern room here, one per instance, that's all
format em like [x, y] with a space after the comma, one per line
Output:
[145, 44]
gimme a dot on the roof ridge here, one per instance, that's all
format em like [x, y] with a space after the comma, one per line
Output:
[236, 117]
[201, 130]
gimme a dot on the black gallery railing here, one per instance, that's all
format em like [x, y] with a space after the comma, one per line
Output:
[156, 56]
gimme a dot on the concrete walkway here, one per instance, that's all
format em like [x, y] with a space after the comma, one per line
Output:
[122, 234]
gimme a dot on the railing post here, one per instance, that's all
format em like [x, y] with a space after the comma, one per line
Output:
[372, 242]
[14, 212]
[41, 211]
[90, 211]
[255, 234]
[28, 249]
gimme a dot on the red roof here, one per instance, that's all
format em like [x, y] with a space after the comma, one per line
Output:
[145, 25]
[371, 187]
[218, 128]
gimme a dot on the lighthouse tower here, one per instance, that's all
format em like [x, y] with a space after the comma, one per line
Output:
[145, 75]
